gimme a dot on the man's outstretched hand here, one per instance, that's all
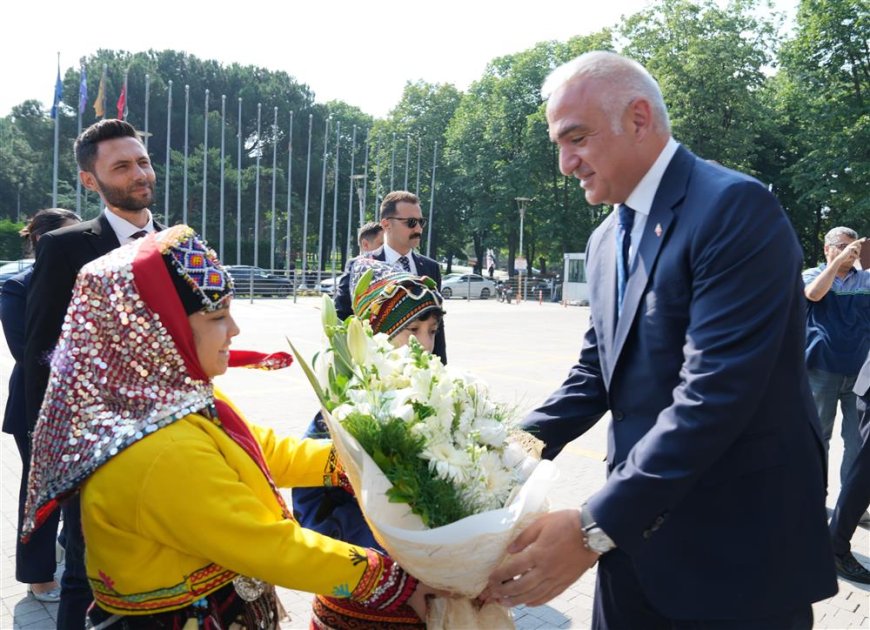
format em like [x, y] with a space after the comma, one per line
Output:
[546, 558]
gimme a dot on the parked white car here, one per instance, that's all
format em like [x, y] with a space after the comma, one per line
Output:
[467, 285]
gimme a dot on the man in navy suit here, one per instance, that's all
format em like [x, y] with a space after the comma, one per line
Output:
[403, 223]
[713, 511]
[855, 493]
[112, 162]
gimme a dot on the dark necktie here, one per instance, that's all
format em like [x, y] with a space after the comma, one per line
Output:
[406, 265]
[623, 242]
[139, 234]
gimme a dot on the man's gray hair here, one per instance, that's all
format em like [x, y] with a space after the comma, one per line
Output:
[625, 80]
[831, 236]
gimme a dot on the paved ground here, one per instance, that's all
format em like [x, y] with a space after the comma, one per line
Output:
[522, 351]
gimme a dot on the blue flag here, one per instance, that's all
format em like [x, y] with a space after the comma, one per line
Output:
[83, 91]
[58, 94]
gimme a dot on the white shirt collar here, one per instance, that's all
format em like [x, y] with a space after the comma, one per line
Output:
[391, 256]
[123, 229]
[642, 197]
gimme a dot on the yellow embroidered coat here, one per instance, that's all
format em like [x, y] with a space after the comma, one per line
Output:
[180, 513]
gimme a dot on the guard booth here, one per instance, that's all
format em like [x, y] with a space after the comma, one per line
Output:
[574, 288]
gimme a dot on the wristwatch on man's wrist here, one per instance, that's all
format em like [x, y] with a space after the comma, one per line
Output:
[596, 538]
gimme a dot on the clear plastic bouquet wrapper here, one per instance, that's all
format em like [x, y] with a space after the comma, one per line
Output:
[442, 475]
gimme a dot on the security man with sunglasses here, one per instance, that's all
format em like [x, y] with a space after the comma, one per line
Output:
[403, 223]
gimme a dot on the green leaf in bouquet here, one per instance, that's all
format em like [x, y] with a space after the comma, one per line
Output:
[342, 354]
[396, 451]
[306, 369]
[363, 283]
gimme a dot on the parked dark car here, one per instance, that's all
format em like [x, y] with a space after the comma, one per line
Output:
[9, 269]
[257, 281]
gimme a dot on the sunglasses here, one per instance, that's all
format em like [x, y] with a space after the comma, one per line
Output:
[411, 223]
[840, 246]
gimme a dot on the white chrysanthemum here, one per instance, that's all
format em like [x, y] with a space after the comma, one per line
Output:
[497, 478]
[447, 462]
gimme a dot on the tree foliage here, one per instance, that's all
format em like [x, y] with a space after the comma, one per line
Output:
[792, 112]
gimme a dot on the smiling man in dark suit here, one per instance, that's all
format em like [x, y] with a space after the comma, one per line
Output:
[713, 513]
[403, 223]
[113, 163]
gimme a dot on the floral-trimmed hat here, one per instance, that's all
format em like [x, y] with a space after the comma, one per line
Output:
[199, 278]
[389, 298]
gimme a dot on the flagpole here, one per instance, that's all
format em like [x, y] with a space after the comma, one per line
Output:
[58, 94]
[83, 101]
[168, 150]
[362, 216]
[147, 99]
[274, 183]
[305, 208]
[419, 147]
[289, 252]
[186, 144]
[320, 265]
[239, 189]
[350, 194]
[407, 158]
[431, 203]
[392, 160]
[335, 199]
[223, 169]
[377, 176]
[259, 150]
[205, 170]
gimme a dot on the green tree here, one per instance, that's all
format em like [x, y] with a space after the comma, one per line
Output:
[824, 94]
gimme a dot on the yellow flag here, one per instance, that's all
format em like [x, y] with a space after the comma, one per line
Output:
[100, 101]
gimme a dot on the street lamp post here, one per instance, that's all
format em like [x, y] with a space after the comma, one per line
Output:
[523, 203]
[18, 214]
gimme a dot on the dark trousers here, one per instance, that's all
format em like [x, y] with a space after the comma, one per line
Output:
[75, 592]
[620, 604]
[35, 560]
[855, 493]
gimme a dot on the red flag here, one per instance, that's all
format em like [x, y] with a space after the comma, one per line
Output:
[122, 102]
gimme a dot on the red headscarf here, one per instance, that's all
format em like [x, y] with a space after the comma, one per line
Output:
[126, 366]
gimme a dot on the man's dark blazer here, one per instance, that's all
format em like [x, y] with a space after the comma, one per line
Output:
[59, 257]
[425, 267]
[13, 301]
[716, 472]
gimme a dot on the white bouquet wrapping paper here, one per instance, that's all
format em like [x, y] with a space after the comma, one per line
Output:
[458, 557]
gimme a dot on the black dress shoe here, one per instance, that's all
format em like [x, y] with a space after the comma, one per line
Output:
[848, 567]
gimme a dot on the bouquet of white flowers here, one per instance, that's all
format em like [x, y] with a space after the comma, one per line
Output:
[443, 478]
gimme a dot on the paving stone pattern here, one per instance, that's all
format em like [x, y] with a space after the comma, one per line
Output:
[523, 351]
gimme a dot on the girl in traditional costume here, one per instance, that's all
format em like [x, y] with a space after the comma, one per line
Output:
[399, 305]
[183, 521]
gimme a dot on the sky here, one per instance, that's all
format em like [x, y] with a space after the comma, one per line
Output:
[360, 52]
